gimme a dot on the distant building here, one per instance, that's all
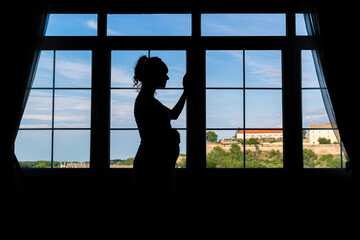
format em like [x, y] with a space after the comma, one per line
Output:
[74, 165]
[264, 134]
[229, 140]
[317, 133]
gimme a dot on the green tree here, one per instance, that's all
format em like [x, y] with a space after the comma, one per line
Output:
[252, 141]
[129, 161]
[214, 157]
[329, 161]
[211, 136]
[252, 160]
[42, 164]
[237, 130]
[219, 158]
[324, 141]
[274, 154]
[304, 133]
[235, 149]
[182, 162]
[309, 158]
[235, 156]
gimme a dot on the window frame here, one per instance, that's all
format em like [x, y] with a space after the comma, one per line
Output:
[195, 46]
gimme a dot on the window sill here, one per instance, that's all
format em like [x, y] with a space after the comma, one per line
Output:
[241, 173]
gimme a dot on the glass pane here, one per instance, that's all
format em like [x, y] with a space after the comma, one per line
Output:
[308, 71]
[44, 71]
[72, 108]
[123, 148]
[169, 98]
[224, 108]
[224, 68]
[263, 109]
[243, 25]
[73, 69]
[72, 25]
[314, 111]
[122, 67]
[125, 143]
[33, 148]
[300, 25]
[72, 148]
[149, 25]
[181, 161]
[263, 68]
[224, 149]
[38, 110]
[263, 148]
[321, 148]
[122, 108]
[176, 63]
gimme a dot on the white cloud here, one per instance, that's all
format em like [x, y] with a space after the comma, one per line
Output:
[318, 117]
[121, 76]
[271, 72]
[235, 53]
[66, 119]
[264, 69]
[72, 109]
[35, 126]
[212, 28]
[122, 114]
[43, 117]
[113, 32]
[91, 24]
[73, 70]
[267, 75]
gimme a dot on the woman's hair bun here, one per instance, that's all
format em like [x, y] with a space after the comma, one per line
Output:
[145, 68]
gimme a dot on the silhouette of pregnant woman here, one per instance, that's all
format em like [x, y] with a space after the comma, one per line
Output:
[154, 163]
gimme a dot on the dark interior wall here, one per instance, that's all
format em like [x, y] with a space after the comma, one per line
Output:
[204, 189]
[220, 192]
[338, 27]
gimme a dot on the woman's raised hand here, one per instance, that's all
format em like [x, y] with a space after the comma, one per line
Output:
[186, 82]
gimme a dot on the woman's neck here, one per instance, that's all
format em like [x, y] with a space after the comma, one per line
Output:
[148, 91]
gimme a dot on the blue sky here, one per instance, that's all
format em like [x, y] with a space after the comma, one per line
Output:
[243, 24]
[223, 69]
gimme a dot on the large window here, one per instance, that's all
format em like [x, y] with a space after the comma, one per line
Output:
[255, 82]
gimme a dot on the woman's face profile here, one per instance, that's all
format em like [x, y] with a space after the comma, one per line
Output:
[161, 77]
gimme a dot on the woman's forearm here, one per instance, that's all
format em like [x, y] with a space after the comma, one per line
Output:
[176, 111]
